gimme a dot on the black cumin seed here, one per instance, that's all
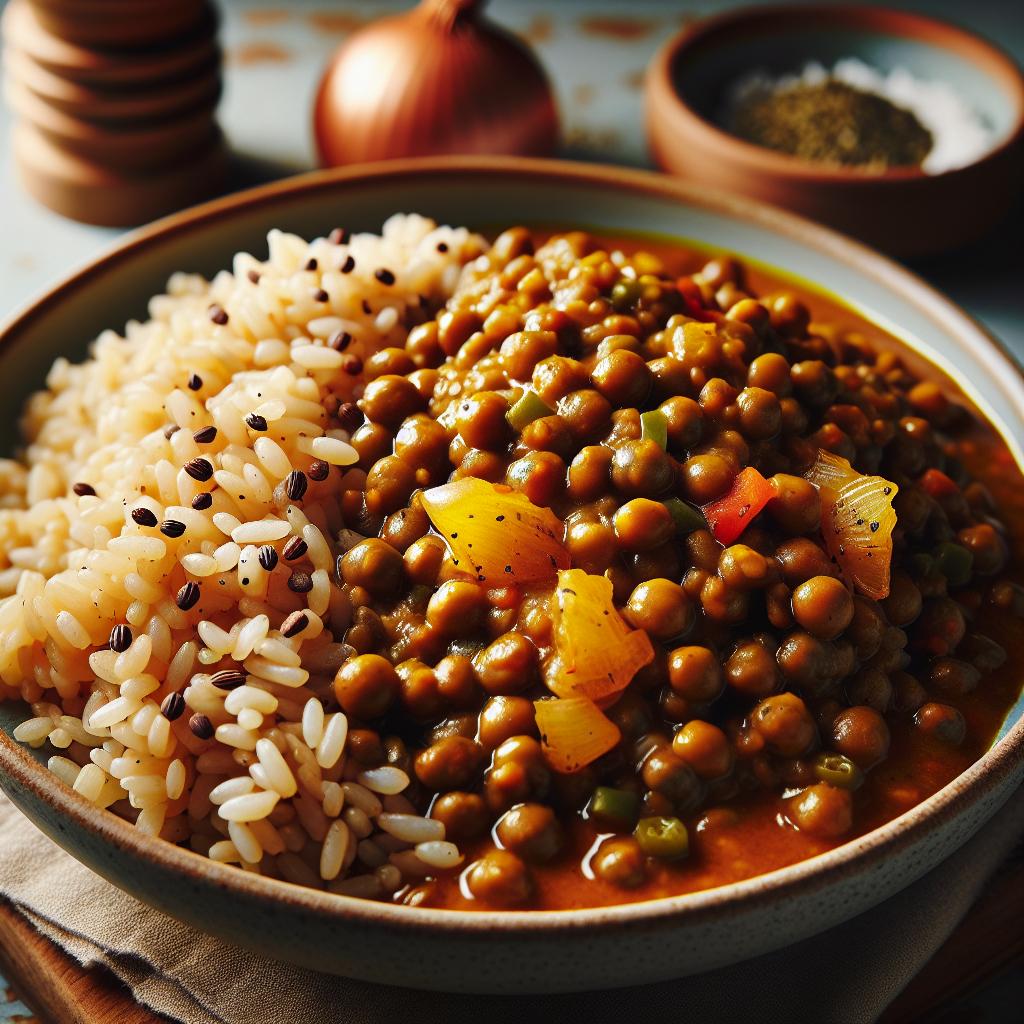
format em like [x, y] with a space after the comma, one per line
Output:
[874, 527]
[173, 706]
[218, 314]
[120, 638]
[172, 528]
[253, 275]
[201, 726]
[82, 489]
[367, 309]
[267, 556]
[295, 485]
[320, 295]
[254, 421]
[144, 517]
[385, 276]
[311, 263]
[295, 548]
[228, 679]
[195, 382]
[300, 582]
[199, 469]
[353, 365]
[349, 416]
[188, 596]
[349, 265]
[202, 500]
[442, 246]
[204, 435]
[340, 340]
[294, 624]
[318, 470]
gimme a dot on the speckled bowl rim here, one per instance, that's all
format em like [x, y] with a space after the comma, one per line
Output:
[989, 773]
[666, 102]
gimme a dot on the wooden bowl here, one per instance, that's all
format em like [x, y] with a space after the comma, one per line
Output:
[904, 211]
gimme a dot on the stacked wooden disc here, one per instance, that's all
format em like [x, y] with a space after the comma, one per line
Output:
[114, 104]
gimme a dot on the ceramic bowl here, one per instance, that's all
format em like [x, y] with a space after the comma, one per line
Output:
[507, 951]
[903, 211]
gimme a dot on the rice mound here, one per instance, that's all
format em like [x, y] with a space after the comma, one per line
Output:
[198, 718]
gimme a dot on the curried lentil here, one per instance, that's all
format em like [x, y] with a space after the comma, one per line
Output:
[641, 574]
[671, 425]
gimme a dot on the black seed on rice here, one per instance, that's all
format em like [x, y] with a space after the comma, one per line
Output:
[353, 365]
[267, 557]
[202, 500]
[173, 706]
[218, 315]
[339, 236]
[320, 295]
[385, 276]
[201, 726]
[144, 517]
[205, 435]
[349, 416]
[199, 469]
[228, 679]
[300, 582]
[253, 275]
[340, 340]
[82, 489]
[294, 624]
[188, 596]
[120, 638]
[170, 430]
[442, 246]
[295, 548]
[295, 484]
[172, 528]
[318, 470]
[254, 421]
[349, 265]
[195, 382]
[367, 308]
[311, 263]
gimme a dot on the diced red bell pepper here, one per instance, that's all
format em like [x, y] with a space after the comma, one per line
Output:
[937, 484]
[729, 515]
[694, 302]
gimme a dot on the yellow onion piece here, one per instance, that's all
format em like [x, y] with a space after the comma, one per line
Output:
[573, 732]
[857, 520]
[831, 472]
[596, 652]
[495, 533]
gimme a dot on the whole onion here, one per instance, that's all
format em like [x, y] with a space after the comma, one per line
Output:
[438, 79]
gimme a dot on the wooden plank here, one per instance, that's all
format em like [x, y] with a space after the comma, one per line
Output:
[56, 987]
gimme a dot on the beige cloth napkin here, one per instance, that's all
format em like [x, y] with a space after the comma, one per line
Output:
[845, 976]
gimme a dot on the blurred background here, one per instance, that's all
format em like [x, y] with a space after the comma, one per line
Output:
[595, 53]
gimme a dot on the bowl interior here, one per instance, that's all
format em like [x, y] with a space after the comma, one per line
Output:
[703, 72]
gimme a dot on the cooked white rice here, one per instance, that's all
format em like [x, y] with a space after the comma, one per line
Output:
[271, 788]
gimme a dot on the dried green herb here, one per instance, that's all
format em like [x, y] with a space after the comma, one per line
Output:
[833, 123]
